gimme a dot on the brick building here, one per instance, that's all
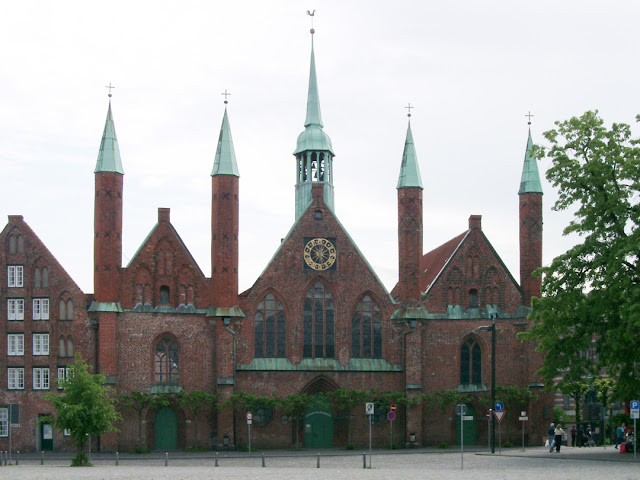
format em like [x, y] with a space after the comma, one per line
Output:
[317, 318]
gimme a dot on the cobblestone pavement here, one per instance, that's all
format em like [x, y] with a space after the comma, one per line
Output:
[534, 463]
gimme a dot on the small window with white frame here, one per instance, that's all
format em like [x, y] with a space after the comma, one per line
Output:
[63, 374]
[15, 309]
[41, 309]
[15, 377]
[15, 276]
[15, 344]
[4, 422]
[41, 378]
[41, 344]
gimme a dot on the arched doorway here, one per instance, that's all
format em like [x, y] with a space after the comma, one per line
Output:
[469, 428]
[166, 429]
[318, 423]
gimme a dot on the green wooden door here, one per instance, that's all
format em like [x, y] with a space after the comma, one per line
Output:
[318, 424]
[469, 428]
[46, 437]
[166, 429]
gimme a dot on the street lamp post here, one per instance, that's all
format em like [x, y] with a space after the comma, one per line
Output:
[492, 329]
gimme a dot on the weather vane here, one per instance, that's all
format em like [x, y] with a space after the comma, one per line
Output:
[529, 115]
[312, 14]
[409, 107]
[110, 88]
[225, 96]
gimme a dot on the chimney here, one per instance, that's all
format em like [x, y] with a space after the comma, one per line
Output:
[164, 215]
[475, 221]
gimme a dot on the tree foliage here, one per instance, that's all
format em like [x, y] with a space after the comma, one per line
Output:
[85, 408]
[196, 401]
[588, 318]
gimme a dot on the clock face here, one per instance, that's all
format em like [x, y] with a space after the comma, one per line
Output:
[320, 254]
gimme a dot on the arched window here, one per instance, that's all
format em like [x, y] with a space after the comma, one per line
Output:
[166, 362]
[318, 324]
[45, 277]
[473, 298]
[70, 309]
[471, 363]
[164, 295]
[270, 328]
[69, 346]
[62, 348]
[37, 276]
[20, 244]
[366, 330]
[62, 309]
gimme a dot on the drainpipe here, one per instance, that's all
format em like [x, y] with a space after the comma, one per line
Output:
[412, 327]
[227, 322]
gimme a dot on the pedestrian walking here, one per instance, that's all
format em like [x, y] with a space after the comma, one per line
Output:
[574, 432]
[558, 434]
[619, 435]
[551, 435]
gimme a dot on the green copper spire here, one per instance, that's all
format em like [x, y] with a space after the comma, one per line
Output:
[225, 161]
[109, 154]
[409, 171]
[530, 181]
[313, 137]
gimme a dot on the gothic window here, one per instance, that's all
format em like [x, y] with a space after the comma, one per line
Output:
[164, 295]
[45, 277]
[470, 363]
[366, 330]
[62, 349]
[270, 328]
[166, 362]
[37, 276]
[318, 323]
[70, 309]
[16, 243]
[473, 298]
[69, 346]
[142, 286]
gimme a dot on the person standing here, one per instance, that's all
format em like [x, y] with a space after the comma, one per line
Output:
[619, 435]
[574, 432]
[551, 435]
[558, 433]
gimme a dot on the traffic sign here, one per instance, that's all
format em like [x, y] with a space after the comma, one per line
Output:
[467, 417]
[489, 414]
[523, 419]
[499, 415]
[391, 416]
[499, 406]
[461, 409]
[369, 408]
[249, 416]
[393, 407]
[635, 409]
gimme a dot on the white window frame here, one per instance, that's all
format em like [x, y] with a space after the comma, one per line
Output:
[4, 422]
[63, 374]
[15, 308]
[15, 276]
[40, 344]
[41, 309]
[41, 378]
[15, 378]
[15, 344]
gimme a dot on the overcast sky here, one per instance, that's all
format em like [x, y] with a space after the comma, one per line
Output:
[471, 69]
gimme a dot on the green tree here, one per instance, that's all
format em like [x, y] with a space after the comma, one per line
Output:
[576, 390]
[196, 401]
[588, 317]
[85, 408]
[345, 401]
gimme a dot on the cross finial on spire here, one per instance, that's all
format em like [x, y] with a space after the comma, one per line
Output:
[225, 96]
[409, 107]
[529, 115]
[312, 14]
[110, 88]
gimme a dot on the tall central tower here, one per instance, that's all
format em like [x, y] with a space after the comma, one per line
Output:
[314, 153]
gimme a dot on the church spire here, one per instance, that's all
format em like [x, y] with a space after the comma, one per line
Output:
[109, 154]
[409, 171]
[314, 152]
[225, 160]
[530, 180]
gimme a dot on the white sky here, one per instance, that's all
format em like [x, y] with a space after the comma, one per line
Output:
[472, 69]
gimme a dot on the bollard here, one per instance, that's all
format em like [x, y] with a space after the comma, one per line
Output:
[364, 460]
[318, 462]
[166, 459]
[3, 458]
[263, 460]
[18, 458]
[216, 459]
[42, 457]
[6, 458]
[117, 459]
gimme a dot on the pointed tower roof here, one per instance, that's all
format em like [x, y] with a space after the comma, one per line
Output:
[409, 171]
[313, 137]
[530, 181]
[225, 161]
[109, 154]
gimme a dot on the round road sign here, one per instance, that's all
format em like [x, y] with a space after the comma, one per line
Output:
[391, 415]
[499, 406]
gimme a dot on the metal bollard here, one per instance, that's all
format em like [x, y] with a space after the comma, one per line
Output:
[117, 458]
[216, 459]
[3, 458]
[263, 460]
[18, 458]
[364, 460]
[318, 462]
[42, 457]
[166, 459]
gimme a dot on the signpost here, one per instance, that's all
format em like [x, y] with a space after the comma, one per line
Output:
[635, 414]
[523, 418]
[391, 416]
[499, 413]
[370, 410]
[489, 420]
[461, 410]
[249, 420]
